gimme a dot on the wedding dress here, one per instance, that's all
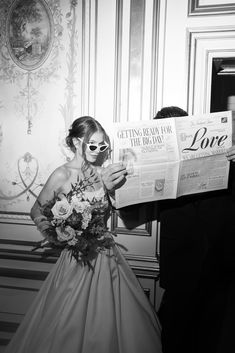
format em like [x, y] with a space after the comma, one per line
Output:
[78, 310]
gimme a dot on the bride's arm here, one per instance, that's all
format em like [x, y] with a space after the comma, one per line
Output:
[52, 186]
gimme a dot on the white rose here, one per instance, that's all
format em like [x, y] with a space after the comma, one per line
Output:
[62, 209]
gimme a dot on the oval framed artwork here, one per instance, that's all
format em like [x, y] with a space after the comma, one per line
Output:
[29, 33]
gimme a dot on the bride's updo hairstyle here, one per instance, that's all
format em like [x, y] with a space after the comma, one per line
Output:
[84, 127]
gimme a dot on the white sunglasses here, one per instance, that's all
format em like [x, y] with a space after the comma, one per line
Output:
[93, 146]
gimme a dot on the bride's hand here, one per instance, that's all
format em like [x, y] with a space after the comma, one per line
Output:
[113, 176]
[42, 224]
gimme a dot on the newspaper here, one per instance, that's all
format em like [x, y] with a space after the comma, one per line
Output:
[168, 158]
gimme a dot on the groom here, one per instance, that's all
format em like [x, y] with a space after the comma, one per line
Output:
[197, 266]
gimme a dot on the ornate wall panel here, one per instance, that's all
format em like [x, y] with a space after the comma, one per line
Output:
[210, 7]
[31, 58]
[206, 44]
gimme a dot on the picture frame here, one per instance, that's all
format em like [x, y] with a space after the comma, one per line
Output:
[29, 33]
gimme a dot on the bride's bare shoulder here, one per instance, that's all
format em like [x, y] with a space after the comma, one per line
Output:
[54, 184]
[60, 175]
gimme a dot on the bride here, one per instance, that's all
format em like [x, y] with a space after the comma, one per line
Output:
[91, 302]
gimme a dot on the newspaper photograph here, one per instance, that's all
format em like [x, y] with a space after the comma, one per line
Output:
[168, 158]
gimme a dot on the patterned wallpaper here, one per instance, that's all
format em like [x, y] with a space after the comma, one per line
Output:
[38, 78]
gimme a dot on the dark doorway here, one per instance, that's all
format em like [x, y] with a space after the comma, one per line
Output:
[223, 87]
[223, 84]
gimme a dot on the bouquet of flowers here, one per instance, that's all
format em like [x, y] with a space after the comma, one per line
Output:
[76, 223]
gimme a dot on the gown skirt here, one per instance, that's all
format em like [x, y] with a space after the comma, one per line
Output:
[78, 310]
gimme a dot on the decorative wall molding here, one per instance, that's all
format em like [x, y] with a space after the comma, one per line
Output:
[144, 266]
[149, 230]
[136, 59]
[119, 229]
[135, 81]
[15, 218]
[198, 8]
[26, 181]
[205, 44]
[118, 63]
[155, 58]
[21, 252]
[88, 57]
[68, 108]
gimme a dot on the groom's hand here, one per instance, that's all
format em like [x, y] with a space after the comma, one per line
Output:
[231, 154]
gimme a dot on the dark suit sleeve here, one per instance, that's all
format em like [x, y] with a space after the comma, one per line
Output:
[138, 214]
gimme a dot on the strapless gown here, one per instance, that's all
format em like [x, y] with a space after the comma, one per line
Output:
[78, 310]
